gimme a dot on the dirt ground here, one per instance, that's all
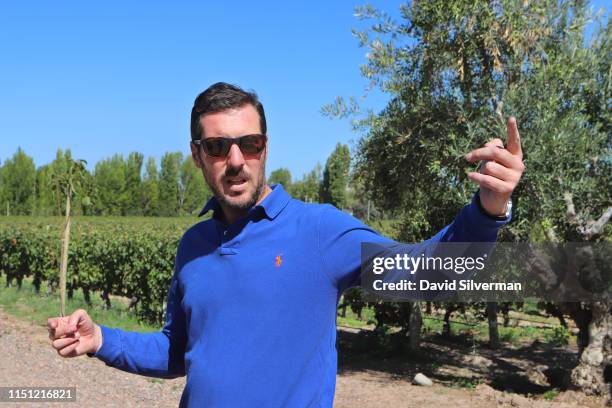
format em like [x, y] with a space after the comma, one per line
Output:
[490, 378]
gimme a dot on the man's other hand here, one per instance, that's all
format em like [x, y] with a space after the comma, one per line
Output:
[500, 170]
[74, 335]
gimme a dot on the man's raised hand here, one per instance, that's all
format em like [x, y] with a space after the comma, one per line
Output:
[500, 170]
[74, 335]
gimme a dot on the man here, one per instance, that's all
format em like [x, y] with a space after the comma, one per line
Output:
[251, 312]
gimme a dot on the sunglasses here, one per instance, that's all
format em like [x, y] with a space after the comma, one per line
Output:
[220, 146]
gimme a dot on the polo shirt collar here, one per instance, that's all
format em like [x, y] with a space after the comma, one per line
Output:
[272, 205]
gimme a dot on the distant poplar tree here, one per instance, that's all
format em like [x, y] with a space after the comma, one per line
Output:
[169, 194]
[194, 191]
[336, 177]
[132, 194]
[150, 189]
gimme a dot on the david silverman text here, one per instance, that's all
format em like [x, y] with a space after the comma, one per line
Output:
[465, 284]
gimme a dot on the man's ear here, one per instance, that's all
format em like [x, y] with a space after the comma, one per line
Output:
[195, 155]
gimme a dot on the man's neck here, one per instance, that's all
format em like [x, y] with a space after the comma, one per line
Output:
[230, 216]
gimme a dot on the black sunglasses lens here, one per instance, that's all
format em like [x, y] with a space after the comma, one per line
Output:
[252, 144]
[216, 147]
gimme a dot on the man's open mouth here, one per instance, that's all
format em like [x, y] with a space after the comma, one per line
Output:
[235, 181]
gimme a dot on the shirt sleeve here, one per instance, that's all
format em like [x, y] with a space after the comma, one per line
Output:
[340, 237]
[160, 354]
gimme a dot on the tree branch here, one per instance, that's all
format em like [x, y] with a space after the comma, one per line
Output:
[550, 234]
[594, 227]
[571, 210]
[597, 227]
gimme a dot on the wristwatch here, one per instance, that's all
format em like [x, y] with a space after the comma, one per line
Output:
[495, 217]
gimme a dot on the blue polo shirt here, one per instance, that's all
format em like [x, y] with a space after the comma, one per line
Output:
[251, 312]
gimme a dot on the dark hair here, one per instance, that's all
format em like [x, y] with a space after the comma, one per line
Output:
[220, 97]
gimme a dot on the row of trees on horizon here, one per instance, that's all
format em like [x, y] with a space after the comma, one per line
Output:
[131, 186]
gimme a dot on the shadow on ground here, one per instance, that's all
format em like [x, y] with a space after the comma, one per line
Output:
[529, 370]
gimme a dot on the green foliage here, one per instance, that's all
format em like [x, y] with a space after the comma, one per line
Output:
[559, 336]
[509, 334]
[307, 189]
[71, 181]
[131, 196]
[18, 184]
[550, 394]
[52, 176]
[150, 189]
[116, 187]
[133, 258]
[467, 382]
[25, 303]
[336, 177]
[109, 176]
[454, 71]
[193, 191]
[169, 184]
[281, 176]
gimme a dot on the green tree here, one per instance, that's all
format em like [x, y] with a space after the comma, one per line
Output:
[132, 195]
[193, 190]
[110, 180]
[150, 189]
[453, 71]
[308, 187]
[18, 184]
[336, 177]
[59, 165]
[3, 201]
[45, 203]
[281, 176]
[169, 194]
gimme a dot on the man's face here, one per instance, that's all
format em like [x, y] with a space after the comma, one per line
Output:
[238, 179]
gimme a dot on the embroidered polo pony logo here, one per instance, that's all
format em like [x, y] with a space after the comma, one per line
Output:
[278, 260]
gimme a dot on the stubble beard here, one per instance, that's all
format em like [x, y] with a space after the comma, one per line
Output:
[238, 206]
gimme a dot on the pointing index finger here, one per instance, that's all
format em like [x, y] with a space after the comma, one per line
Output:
[514, 140]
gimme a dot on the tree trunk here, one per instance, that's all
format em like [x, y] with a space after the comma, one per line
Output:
[562, 321]
[50, 288]
[133, 303]
[505, 309]
[343, 306]
[106, 298]
[36, 282]
[492, 319]
[446, 329]
[86, 296]
[415, 325]
[596, 357]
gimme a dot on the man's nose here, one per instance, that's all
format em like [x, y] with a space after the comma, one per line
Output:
[235, 158]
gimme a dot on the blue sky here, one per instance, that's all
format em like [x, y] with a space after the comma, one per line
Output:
[115, 77]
